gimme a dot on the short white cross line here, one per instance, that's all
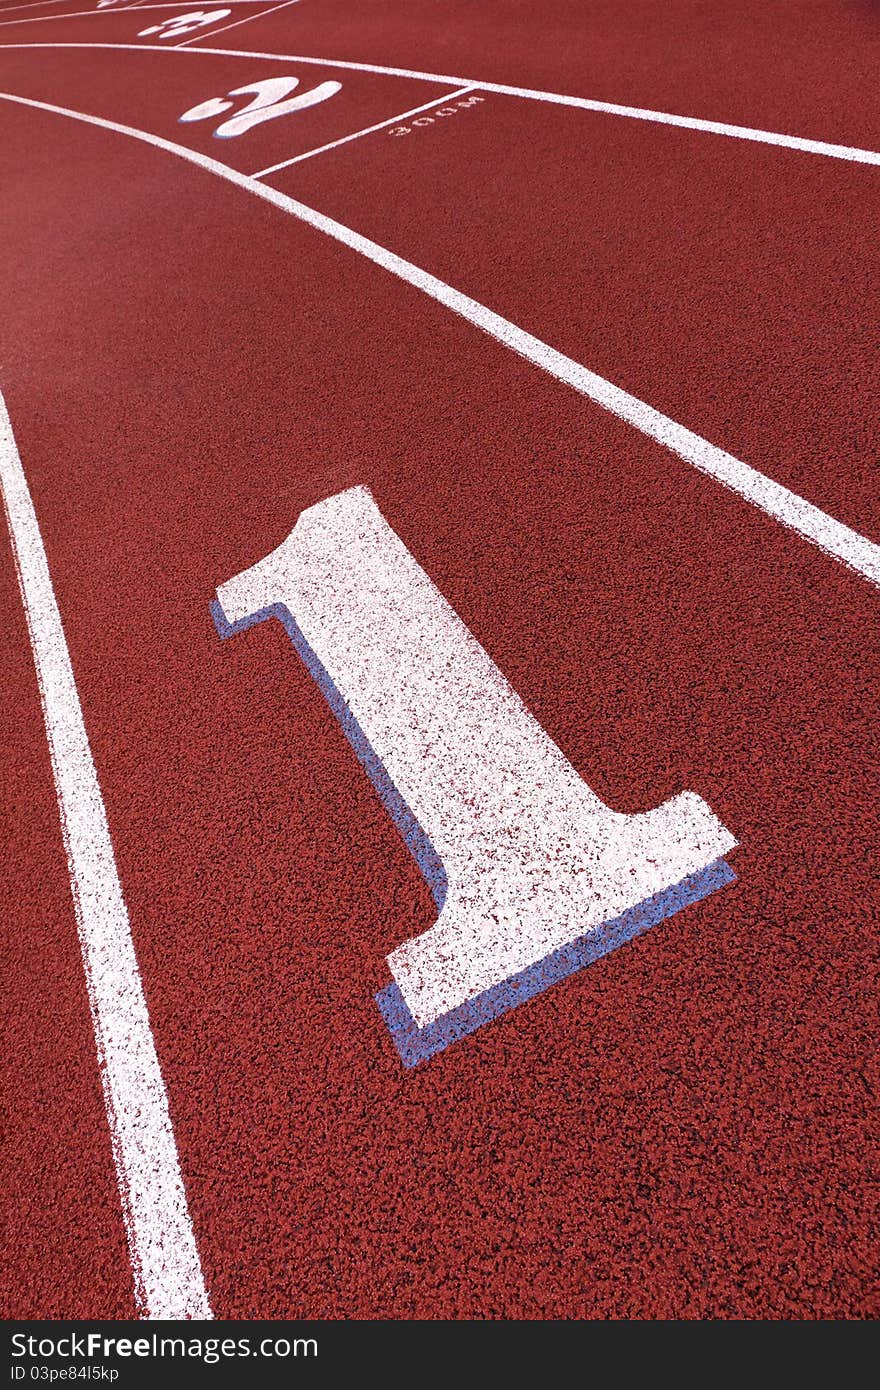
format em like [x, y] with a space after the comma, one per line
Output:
[368, 130]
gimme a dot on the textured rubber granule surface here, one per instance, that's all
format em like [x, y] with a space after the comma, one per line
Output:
[688, 1127]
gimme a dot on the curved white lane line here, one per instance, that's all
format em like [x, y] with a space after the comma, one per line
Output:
[792, 511]
[165, 1260]
[852, 153]
[111, 9]
[44, 4]
[91, 14]
[114, 9]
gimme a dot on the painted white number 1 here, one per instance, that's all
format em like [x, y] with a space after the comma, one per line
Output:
[533, 874]
[268, 103]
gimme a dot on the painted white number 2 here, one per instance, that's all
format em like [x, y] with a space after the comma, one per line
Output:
[268, 103]
[532, 873]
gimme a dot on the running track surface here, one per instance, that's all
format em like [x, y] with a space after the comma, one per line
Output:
[687, 1128]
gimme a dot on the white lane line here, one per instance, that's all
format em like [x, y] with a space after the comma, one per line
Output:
[285, 5]
[165, 1261]
[77, 14]
[110, 9]
[44, 5]
[41, 18]
[368, 130]
[181, 6]
[32, 5]
[852, 153]
[794, 512]
[737, 132]
[83, 14]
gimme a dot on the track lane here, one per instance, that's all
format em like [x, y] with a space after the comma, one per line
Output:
[712, 288]
[61, 1210]
[808, 69]
[51, 9]
[125, 21]
[578, 594]
[152, 91]
[720, 282]
[778, 139]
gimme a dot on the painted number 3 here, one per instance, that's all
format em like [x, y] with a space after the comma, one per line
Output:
[184, 24]
[533, 875]
[267, 104]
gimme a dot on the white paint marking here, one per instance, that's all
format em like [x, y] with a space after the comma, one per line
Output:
[737, 132]
[247, 19]
[165, 1261]
[183, 24]
[268, 104]
[122, 7]
[34, 5]
[794, 512]
[83, 14]
[368, 130]
[533, 858]
[45, 4]
[147, 5]
[55, 18]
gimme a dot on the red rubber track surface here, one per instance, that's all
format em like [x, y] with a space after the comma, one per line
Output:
[809, 69]
[686, 1128]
